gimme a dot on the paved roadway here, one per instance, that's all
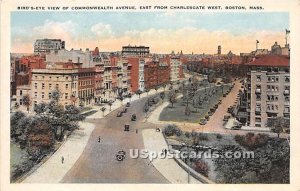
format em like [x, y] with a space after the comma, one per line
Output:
[98, 163]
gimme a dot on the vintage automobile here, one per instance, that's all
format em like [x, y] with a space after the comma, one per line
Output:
[126, 127]
[119, 114]
[133, 117]
[120, 155]
[203, 121]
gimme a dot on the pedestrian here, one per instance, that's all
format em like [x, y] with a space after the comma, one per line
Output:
[136, 131]
[166, 151]
[99, 139]
[62, 160]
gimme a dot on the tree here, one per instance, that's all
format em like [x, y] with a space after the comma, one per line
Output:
[14, 121]
[40, 108]
[40, 138]
[172, 97]
[26, 101]
[147, 91]
[211, 77]
[129, 95]
[110, 104]
[187, 111]
[139, 92]
[55, 95]
[278, 124]
[103, 110]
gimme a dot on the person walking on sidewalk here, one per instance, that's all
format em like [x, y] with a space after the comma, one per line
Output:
[62, 160]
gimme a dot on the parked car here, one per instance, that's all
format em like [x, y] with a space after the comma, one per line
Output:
[203, 121]
[133, 117]
[119, 114]
[128, 104]
[126, 127]
[226, 117]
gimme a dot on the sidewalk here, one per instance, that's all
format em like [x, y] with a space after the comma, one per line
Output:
[154, 141]
[117, 104]
[52, 171]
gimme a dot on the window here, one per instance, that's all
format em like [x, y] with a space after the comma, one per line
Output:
[258, 78]
[67, 86]
[66, 95]
[57, 86]
[21, 92]
[257, 125]
[257, 119]
[50, 86]
[21, 101]
[35, 85]
[43, 95]
[286, 98]
[67, 78]
[43, 86]
[287, 79]
[50, 95]
[35, 94]
[258, 97]
[286, 109]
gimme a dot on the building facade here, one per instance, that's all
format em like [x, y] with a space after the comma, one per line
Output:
[135, 50]
[268, 89]
[48, 45]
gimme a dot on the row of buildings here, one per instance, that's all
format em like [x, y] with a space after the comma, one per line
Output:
[87, 77]
[266, 90]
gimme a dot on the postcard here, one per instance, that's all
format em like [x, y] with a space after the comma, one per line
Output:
[157, 95]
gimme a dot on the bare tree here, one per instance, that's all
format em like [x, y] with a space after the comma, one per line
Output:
[27, 102]
[103, 110]
[172, 97]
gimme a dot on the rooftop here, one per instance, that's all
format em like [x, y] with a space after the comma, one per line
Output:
[270, 60]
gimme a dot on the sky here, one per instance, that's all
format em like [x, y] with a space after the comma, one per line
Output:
[162, 31]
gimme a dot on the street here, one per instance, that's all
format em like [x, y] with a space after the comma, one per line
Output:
[98, 163]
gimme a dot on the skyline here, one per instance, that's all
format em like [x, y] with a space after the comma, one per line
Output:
[163, 32]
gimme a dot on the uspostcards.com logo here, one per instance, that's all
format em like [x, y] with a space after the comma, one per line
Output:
[208, 154]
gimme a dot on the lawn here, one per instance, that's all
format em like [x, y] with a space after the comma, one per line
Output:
[209, 97]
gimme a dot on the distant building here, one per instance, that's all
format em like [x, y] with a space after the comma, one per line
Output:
[47, 45]
[268, 89]
[135, 50]
[176, 68]
[219, 50]
[156, 73]
[276, 49]
[76, 56]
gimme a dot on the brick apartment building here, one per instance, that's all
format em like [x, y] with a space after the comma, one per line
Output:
[156, 73]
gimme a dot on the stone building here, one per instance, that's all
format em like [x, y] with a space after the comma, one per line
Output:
[268, 89]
